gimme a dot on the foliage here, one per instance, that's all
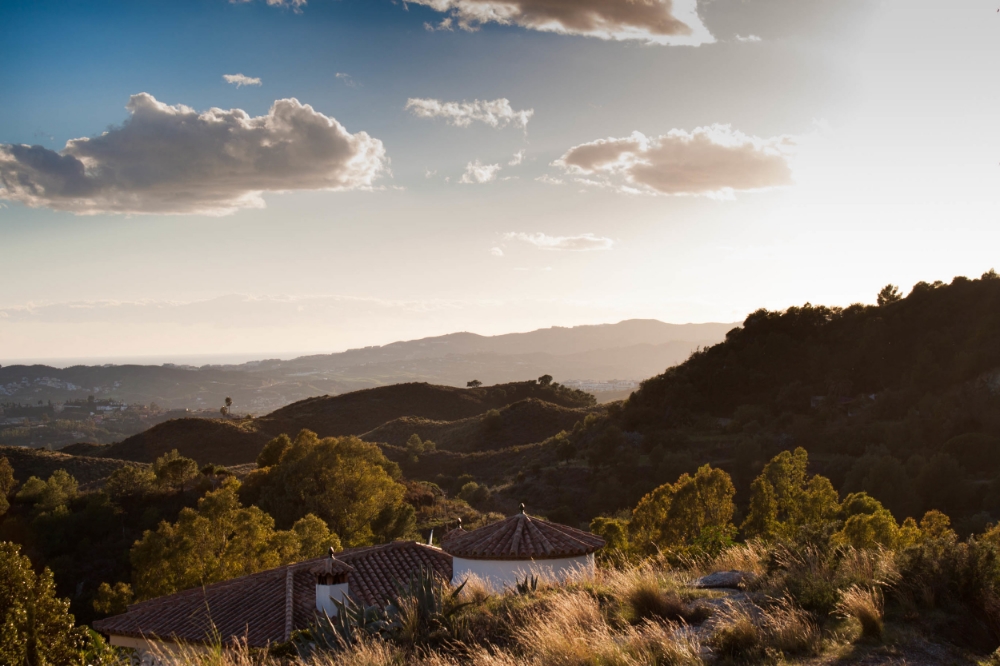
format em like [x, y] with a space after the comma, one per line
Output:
[172, 469]
[272, 452]
[129, 482]
[113, 600]
[219, 540]
[48, 495]
[677, 515]
[7, 484]
[344, 481]
[36, 628]
[782, 499]
[315, 538]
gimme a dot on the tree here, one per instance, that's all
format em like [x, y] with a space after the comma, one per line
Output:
[475, 383]
[36, 628]
[315, 538]
[273, 451]
[889, 294]
[614, 531]
[48, 495]
[676, 515]
[545, 380]
[867, 524]
[346, 482]
[782, 499]
[130, 482]
[416, 446]
[173, 470]
[219, 540]
[7, 484]
[113, 600]
[229, 405]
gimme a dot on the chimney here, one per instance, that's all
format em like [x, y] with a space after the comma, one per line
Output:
[331, 584]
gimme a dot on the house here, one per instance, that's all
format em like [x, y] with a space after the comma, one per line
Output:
[509, 551]
[266, 607]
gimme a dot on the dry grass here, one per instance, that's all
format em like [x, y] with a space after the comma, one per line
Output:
[737, 633]
[750, 557]
[476, 590]
[791, 629]
[864, 605]
[648, 594]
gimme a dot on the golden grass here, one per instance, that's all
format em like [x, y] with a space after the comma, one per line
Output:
[864, 605]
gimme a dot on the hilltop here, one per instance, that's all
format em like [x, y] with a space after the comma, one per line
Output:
[517, 424]
[41, 463]
[232, 442]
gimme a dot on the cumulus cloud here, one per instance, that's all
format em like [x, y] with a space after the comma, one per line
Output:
[240, 80]
[497, 113]
[477, 172]
[496, 252]
[714, 161]
[673, 22]
[581, 243]
[517, 159]
[172, 159]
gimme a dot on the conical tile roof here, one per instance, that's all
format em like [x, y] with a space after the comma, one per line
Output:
[521, 537]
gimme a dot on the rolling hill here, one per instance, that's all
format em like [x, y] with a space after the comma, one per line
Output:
[233, 442]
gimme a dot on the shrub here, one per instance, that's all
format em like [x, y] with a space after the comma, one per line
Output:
[737, 634]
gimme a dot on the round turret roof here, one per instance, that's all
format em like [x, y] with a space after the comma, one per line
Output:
[521, 537]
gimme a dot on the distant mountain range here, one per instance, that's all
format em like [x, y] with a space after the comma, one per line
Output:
[630, 350]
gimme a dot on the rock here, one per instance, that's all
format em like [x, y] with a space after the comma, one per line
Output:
[722, 579]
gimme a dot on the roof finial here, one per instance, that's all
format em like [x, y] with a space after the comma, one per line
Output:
[459, 522]
[332, 551]
[521, 507]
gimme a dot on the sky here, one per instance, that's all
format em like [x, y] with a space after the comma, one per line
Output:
[191, 177]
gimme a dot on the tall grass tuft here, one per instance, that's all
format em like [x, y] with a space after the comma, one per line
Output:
[737, 634]
[864, 605]
[791, 629]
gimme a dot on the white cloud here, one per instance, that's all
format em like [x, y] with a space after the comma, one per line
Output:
[496, 252]
[581, 243]
[294, 5]
[550, 180]
[713, 161]
[428, 173]
[444, 26]
[240, 80]
[517, 159]
[346, 78]
[497, 113]
[172, 159]
[748, 38]
[673, 22]
[476, 172]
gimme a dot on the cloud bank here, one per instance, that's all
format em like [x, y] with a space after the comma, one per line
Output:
[581, 243]
[479, 173]
[674, 22]
[172, 159]
[497, 113]
[239, 80]
[714, 161]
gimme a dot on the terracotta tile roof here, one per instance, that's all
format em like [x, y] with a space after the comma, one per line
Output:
[521, 537]
[266, 607]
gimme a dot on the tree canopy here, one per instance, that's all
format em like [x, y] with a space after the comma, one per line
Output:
[344, 481]
[219, 540]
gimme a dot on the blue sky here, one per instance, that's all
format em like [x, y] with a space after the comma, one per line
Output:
[854, 144]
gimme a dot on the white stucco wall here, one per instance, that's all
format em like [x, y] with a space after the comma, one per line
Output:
[499, 573]
[327, 594]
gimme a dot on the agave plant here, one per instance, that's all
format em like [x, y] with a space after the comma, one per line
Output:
[424, 609]
[526, 586]
[351, 622]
